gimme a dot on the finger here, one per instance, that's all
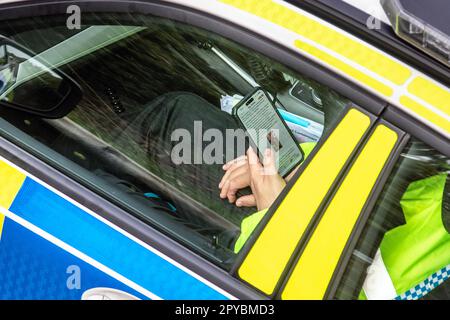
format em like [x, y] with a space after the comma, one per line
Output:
[238, 159]
[230, 170]
[240, 180]
[246, 201]
[231, 195]
[224, 178]
[240, 176]
[270, 167]
[253, 163]
[233, 166]
[224, 190]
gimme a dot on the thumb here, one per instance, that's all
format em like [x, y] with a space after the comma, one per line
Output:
[246, 201]
[270, 166]
[253, 163]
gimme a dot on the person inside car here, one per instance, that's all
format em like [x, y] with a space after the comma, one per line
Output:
[235, 190]
[222, 184]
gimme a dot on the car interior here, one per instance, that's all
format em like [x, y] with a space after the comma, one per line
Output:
[120, 78]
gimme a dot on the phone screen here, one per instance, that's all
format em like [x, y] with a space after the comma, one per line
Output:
[267, 129]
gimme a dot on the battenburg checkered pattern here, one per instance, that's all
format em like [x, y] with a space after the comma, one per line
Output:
[426, 286]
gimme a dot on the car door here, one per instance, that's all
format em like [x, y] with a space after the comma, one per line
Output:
[416, 188]
[113, 229]
[417, 110]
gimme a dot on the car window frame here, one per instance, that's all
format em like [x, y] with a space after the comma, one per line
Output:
[368, 209]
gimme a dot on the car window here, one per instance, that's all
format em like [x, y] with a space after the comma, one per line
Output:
[404, 250]
[145, 85]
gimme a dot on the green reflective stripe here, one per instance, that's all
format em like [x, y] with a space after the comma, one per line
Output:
[362, 295]
[417, 249]
[249, 224]
[307, 148]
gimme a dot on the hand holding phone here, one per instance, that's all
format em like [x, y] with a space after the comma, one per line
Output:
[267, 129]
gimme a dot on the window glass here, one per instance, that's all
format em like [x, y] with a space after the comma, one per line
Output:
[142, 81]
[404, 250]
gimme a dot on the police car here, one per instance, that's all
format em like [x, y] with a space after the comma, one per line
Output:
[92, 208]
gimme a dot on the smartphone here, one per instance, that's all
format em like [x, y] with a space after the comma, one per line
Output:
[266, 128]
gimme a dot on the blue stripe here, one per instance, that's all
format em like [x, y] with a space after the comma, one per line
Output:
[32, 268]
[151, 195]
[74, 226]
[290, 117]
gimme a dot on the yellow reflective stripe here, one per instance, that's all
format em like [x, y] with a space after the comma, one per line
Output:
[431, 93]
[426, 113]
[313, 271]
[322, 34]
[11, 181]
[349, 70]
[272, 250]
